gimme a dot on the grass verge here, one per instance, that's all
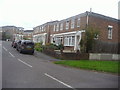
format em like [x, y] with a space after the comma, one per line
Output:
[104, 66]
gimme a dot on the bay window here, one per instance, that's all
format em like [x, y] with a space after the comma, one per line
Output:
[69, 41]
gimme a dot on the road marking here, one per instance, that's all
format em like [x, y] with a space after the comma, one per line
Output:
[5, 49]
[59, 81]
[24, 63]
[11, 54]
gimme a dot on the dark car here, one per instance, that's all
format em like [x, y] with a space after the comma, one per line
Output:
[14, 44]
[25, 46]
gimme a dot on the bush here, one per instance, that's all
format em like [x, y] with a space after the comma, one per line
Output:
[60, 47]
[39, 47]
[51, 46]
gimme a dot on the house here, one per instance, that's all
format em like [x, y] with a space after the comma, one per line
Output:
[28, 34]
[70, 31]
[12, 32]
[119, 10]
[41, 33]
[18, 33]
[0, 33]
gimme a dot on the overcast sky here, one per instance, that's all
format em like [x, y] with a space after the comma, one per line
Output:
[31, 13]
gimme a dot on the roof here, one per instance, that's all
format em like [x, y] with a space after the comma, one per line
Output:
[82, 15]
[101, 16]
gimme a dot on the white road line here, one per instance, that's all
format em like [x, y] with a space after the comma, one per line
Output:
[5, 49]
[11, 54]
[59, 81]
[25, 63]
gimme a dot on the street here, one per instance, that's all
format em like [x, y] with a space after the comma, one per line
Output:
[28, 71]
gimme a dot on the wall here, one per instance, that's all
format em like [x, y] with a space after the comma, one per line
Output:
[119, 10]
[103, 56]
[102, 23]
[103, 44]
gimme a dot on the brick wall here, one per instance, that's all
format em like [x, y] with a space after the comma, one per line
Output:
[102, 25]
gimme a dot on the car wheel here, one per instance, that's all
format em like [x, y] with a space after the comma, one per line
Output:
[17, 48]
[32, 53]
[20, 51]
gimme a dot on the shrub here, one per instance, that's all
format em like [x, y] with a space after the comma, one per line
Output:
[51, 46]
[39, 47]
[60, 47]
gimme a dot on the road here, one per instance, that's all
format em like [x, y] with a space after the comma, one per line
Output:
[28, 71]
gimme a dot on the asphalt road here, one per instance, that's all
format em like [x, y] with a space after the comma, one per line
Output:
[28, 71]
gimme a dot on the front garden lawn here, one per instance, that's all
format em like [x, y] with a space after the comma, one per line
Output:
[104, 66]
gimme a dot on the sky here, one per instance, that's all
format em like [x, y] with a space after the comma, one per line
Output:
[31, 13]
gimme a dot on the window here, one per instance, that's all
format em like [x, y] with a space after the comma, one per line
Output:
[57, 27]
[96, 36]
[37, 29]
[61, 26]
[67, 25]
[69, 41]
[58, 40]
[110, 32]
[78, 22]
[72, 23]
[42, 28]
[54, 28]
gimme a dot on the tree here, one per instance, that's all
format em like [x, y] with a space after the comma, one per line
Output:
[88, 41]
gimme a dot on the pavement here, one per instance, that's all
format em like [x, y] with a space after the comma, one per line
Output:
[29, 71]
[44, 56]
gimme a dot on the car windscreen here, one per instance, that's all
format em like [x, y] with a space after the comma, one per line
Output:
[28, 43]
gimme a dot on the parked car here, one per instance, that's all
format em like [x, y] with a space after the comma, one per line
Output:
[14, 44]
[25, 46]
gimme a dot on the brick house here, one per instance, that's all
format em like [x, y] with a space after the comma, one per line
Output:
[28, 34]
[12, 32]
[0, 33]
[108, 40]
[70, 31]
[41, 33]
[119, 10]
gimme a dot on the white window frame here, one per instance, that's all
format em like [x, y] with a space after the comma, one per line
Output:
[72, 23]
[78, 22]
[69, 41]
[110, 29]
[54, 28]
[67, 25]
[37, 30]
[57, 27]
[42, 28]
[61, 26]
[58, 40]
